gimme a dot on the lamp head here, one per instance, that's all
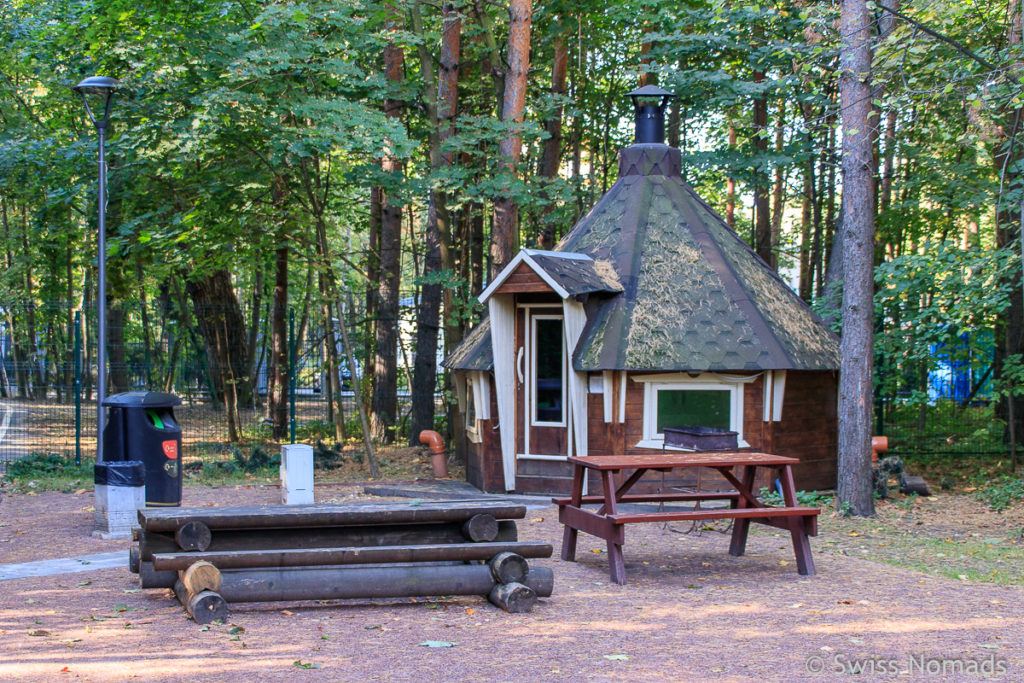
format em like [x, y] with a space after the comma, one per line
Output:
[98, 85]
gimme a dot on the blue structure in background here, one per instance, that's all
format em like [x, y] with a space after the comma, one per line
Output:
[959, 365]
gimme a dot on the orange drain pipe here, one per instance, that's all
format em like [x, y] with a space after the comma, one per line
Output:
[437, 455]
[879, 444]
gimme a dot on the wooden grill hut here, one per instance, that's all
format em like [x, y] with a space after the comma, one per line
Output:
[650, 312]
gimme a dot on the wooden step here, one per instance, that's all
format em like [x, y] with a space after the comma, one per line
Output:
[730, 513]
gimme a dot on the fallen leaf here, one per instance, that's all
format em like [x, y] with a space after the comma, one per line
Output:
[84, 583]
[988, 646]
[132, 590]
[81, 491]
[537, 520]
[438, 643]
[65, 670]
[287, 613]
[470, 611]
[38, 632]
[305, 665]
[783, 563]
[237, 629]
[616, 658]
[374, 627]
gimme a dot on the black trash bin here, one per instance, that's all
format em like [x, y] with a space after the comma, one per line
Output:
[141, 426]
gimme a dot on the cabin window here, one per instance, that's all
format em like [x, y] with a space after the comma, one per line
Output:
[684, 401]
[472, 425]
[548, 367]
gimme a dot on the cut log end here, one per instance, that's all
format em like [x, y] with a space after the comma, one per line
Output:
[513, 597]
[134, 560]
[204, 607]
[481, 528]
[200, 576]
[193, 536]
[509, 568]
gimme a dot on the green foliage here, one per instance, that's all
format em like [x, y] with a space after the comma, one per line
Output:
[805, 498]
[1001, 493]
[47, 464]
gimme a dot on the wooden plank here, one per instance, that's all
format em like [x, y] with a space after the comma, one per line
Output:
[591, 523]
[244, 559]
[733, 513]
[656, 497]
[353, 514]
[672, 460]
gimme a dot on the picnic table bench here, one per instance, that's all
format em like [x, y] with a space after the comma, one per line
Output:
[738, 468]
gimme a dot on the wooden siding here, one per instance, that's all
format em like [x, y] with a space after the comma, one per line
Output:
[807, 431]
[523, 280]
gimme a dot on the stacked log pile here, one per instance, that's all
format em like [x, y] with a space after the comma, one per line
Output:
[215, 556]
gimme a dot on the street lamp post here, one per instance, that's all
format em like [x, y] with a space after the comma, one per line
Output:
[100, 86]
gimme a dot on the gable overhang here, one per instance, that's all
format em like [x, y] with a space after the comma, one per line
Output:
[524, 256]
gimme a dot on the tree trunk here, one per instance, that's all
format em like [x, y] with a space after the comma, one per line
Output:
[551, 159]
[222, 325]
[779, 191]
[384, 398]
[277, 375]
[730, 186]
[762, 212]
[1006, 158]
[506, 209]
[856, 353]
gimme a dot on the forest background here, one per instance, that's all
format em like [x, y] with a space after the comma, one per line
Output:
[367, 166]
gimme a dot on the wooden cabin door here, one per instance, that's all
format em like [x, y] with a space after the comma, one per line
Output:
[542, 410]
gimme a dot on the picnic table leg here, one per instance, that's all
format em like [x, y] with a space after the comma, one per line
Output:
[741, 526]
[569, 534]
[616, 563]
[801, 545]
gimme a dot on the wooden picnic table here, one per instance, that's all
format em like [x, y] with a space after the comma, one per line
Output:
[738, 468]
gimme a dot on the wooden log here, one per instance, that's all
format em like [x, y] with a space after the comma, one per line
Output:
[278, 516]
[133, 559]
[481, 528]
[193, 535]
[915, 484]
[151, 578]
[136, 533]
[228, 540]
[199, 576]
[509, 567]
[322, 583]
[251, 559]
[513, 597]
[205, 607]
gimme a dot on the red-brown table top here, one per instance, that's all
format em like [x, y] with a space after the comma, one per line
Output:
[668, 459]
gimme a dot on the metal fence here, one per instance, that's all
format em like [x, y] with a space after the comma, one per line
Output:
[48, 378]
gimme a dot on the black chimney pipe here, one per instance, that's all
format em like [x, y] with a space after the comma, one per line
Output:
[649, 104]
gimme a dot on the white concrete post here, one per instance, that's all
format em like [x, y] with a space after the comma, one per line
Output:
[297, 474]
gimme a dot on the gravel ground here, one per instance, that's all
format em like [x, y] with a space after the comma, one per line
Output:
[690, 611]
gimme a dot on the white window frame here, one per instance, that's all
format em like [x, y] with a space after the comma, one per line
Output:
[532, 368]
[652, 438]
[472, 425]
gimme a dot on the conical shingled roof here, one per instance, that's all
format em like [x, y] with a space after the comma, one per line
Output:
[695, 297]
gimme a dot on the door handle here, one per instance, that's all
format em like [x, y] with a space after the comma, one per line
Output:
[519, 364]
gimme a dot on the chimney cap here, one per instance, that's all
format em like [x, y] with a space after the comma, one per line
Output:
[649, 117]
[650, 91]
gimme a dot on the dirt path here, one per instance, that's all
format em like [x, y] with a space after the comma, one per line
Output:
[690, 612]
